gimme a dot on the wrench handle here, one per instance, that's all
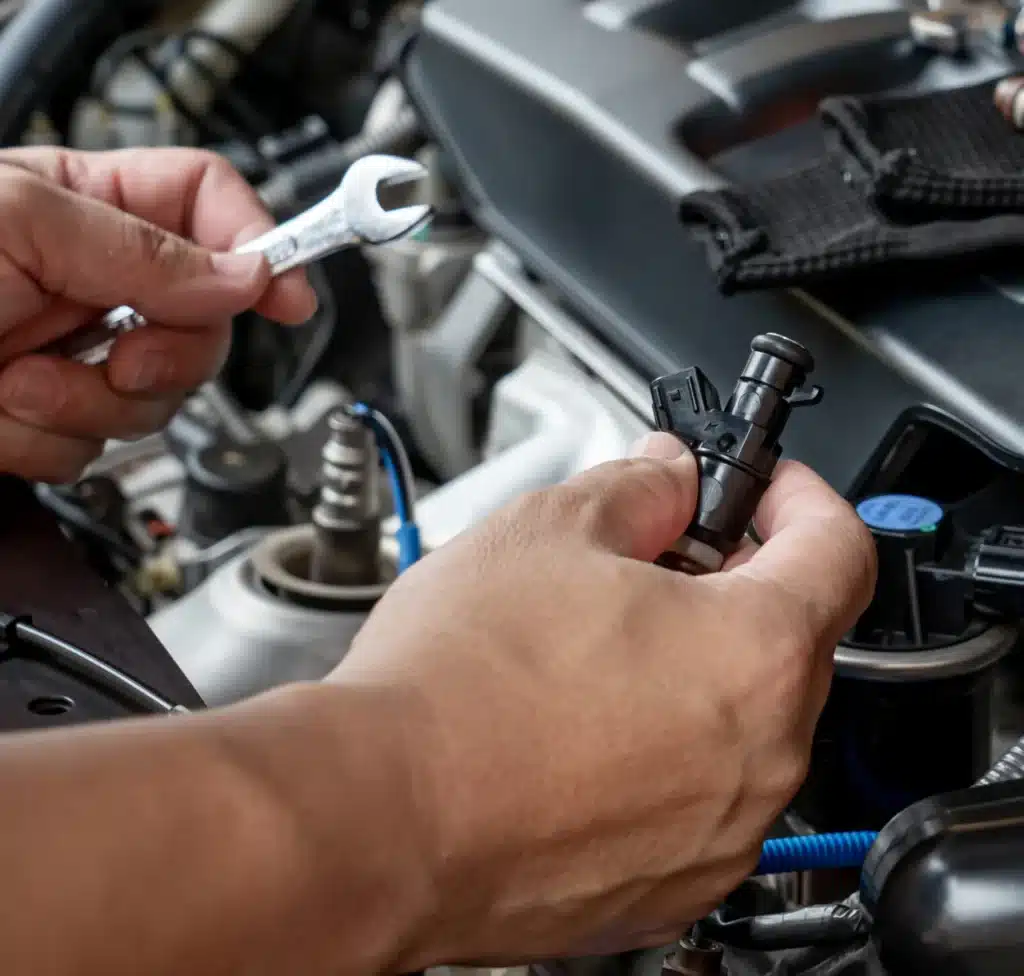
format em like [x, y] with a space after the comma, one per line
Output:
[309, 237]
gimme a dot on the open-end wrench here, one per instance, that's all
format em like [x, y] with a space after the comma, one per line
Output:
[351, 216]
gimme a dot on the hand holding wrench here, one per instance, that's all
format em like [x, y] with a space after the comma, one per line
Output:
[351, 216]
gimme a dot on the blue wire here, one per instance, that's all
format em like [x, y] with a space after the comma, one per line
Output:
[784, 855]
[410, 547]
[401, 503]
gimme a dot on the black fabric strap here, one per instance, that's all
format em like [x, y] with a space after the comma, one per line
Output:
[949, 153]
[815, 225]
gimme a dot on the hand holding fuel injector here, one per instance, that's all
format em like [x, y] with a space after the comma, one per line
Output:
[542, 744]
[614, 739]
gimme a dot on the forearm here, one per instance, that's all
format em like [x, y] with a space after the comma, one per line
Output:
[270, 838]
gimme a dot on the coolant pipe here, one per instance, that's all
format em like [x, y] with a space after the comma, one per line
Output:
[815, 852]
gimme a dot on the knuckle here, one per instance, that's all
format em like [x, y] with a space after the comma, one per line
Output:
[781, 774]
[19, 185]
[555, 508]
[142, 418]
[212, 163]
[780, 622]
[155, 246]
[623, 492]
[21, 198]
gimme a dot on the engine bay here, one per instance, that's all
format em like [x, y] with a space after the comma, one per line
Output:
[515, 342]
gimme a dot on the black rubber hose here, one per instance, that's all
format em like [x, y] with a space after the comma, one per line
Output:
[315, 175]
[43, 38]
[818, 925]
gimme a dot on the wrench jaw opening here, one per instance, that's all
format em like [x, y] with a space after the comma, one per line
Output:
[360, 189]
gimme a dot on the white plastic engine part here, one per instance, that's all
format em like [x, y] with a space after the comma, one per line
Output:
[233, 638]
[245, 24]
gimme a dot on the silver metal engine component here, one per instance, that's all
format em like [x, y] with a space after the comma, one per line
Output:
[240, 633]
[258, 622]
[346, 521]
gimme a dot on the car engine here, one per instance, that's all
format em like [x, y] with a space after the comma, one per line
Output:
[518, 340]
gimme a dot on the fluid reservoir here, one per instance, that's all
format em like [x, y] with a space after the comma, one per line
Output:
[909, 711]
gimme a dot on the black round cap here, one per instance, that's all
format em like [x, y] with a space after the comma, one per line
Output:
[236, 468]
[787, 350]
[230, 487]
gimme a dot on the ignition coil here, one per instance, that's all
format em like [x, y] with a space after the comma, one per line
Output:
[737, 448]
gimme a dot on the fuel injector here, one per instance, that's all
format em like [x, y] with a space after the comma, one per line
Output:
[737, 447]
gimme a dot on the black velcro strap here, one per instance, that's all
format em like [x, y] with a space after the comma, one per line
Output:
[814, 225]
[950, 153]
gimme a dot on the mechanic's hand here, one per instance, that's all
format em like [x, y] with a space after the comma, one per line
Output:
[601, 745]
[83, 232]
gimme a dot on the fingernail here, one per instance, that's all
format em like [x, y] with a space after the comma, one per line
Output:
[240, 267]
[658, 445]
[142, 372]
[31, 390]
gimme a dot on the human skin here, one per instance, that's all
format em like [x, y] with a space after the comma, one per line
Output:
[84, 232]
[540, 744]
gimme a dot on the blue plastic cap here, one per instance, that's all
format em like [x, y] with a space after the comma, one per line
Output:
[900, 513]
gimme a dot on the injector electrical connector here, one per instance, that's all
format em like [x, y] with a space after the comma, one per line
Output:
[737, 447]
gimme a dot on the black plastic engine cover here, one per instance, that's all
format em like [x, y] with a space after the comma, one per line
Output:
[576, 127]
[43, 575]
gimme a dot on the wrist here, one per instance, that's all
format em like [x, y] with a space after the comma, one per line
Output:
[341, 760]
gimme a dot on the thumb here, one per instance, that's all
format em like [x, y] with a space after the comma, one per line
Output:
[636, 508]
[97, 255]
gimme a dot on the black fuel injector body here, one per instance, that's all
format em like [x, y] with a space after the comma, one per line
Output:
[737, 448]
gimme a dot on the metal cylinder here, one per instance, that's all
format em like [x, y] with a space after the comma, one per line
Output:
[695, 956]
[346, 520]
[900, 726]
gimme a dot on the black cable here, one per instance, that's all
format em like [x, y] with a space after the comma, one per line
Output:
[247, 114]
[317, 173]
[204, 127]
[137, 45]
[126, 46]
[20, 632]
[76, 517]
[323, 326]
[819, 925]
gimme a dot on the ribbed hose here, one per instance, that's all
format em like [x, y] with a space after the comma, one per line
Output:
[315, 175]
[784, 855]
[1008, 769]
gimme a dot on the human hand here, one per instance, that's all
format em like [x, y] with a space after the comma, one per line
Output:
[598, 746]
[83, 232]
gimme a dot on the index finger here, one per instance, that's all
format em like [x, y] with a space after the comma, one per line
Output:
[816, 548]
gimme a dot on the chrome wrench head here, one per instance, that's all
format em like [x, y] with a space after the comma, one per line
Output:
[358, 194]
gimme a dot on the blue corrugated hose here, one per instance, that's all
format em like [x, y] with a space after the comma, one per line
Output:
[783, 855]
